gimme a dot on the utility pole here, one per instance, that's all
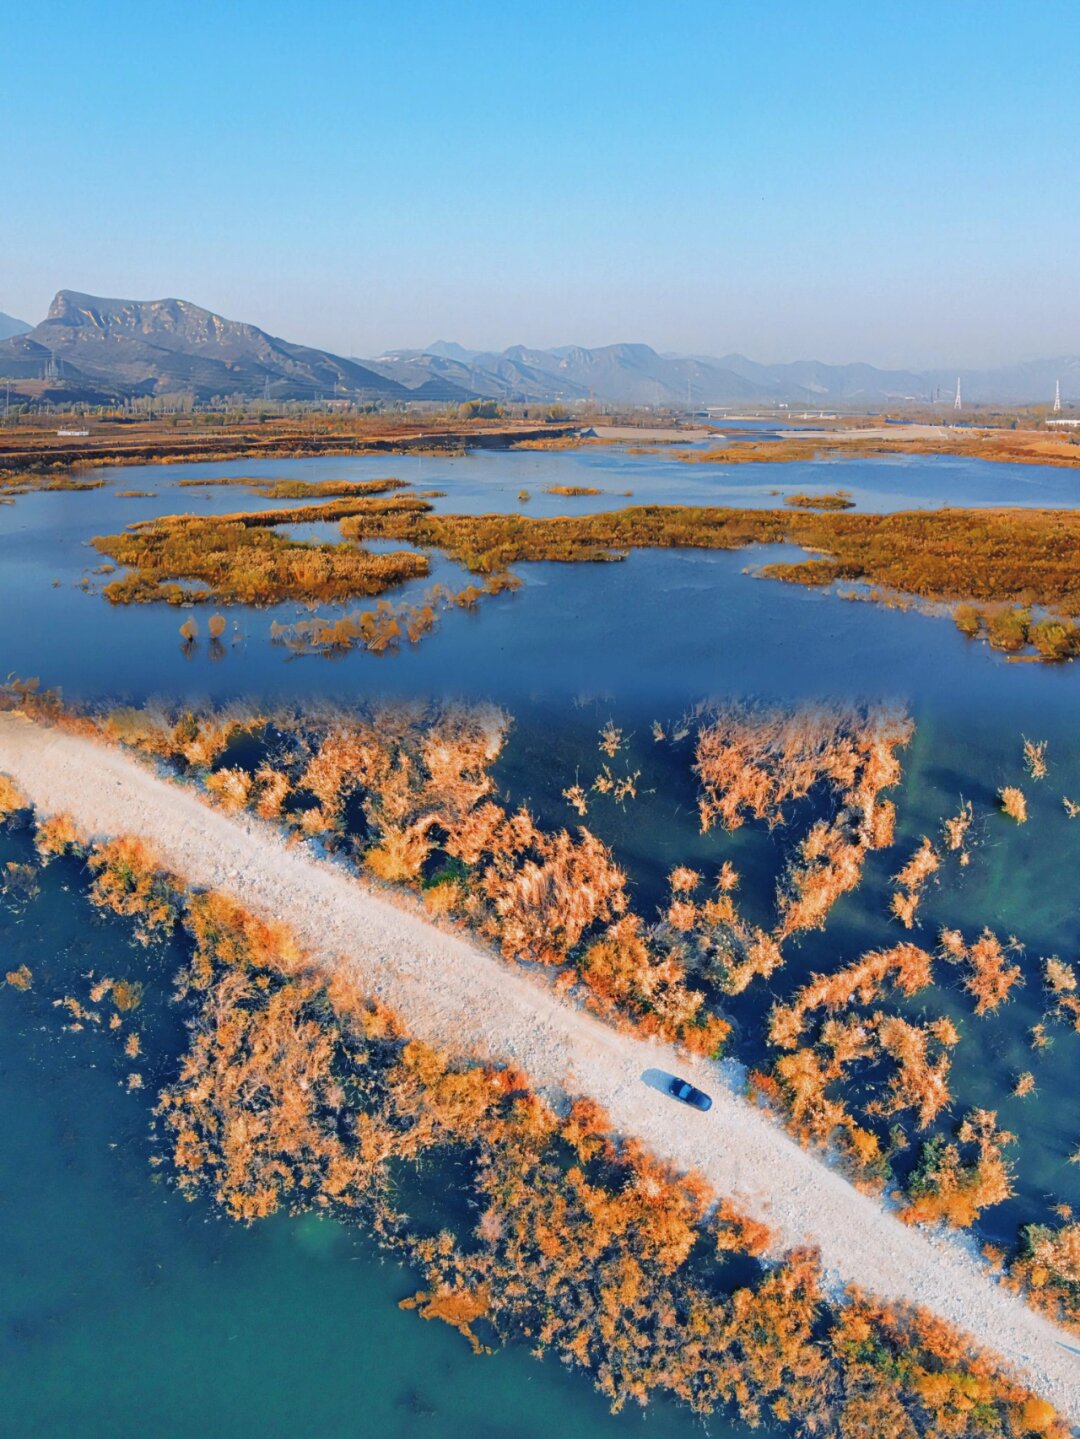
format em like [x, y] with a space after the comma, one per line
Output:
[956, 403]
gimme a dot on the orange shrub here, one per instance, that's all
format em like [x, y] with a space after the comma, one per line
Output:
[57, 836]
[11, 798]
[129, 881]
[947, 1188]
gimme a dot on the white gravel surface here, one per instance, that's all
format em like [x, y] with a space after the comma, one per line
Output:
[451, 991]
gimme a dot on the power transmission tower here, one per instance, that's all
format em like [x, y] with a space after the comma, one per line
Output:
[956, 403]
[1057, 398]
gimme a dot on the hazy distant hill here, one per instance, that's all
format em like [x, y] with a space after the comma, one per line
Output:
[132, 347]
[630, 374]
[812, 382]
[10, 326]
[1029, 383]
[436, 377]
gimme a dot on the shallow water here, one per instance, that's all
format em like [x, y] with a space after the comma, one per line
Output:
[660, 624]
[126, 1310]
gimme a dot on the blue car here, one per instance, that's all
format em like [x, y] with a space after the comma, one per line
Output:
[685, 1093]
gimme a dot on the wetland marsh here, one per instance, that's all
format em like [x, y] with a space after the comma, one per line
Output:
[577, 651]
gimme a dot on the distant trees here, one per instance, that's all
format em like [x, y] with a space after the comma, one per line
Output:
[481, 410]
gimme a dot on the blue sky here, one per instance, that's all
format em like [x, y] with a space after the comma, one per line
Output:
[848, 179]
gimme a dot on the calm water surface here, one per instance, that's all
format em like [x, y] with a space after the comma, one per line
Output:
[657, 625]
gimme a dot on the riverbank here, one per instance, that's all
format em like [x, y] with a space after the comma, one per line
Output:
[1020, 447]
[900, 434]
[29, 454]
[633, 434]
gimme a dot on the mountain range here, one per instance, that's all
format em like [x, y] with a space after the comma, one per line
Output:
[10, 326]
[638, 375]
[100, 350]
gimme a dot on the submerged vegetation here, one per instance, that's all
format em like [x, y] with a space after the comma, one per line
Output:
[850, 1036]
[406, 792]
[420, 778]
[809, 932]
[753, 762]
[383, 629]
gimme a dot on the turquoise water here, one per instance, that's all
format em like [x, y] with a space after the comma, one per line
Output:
[127, 1311]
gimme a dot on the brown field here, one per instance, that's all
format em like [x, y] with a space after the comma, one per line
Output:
[29, 456]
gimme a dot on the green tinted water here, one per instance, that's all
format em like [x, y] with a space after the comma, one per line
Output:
[127, 1311]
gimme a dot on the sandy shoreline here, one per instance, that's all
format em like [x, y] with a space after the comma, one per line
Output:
[450, 991]
[902, 434]
[651, 437]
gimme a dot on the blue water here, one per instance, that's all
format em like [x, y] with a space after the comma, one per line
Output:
[125, 1311]
[659, 624]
